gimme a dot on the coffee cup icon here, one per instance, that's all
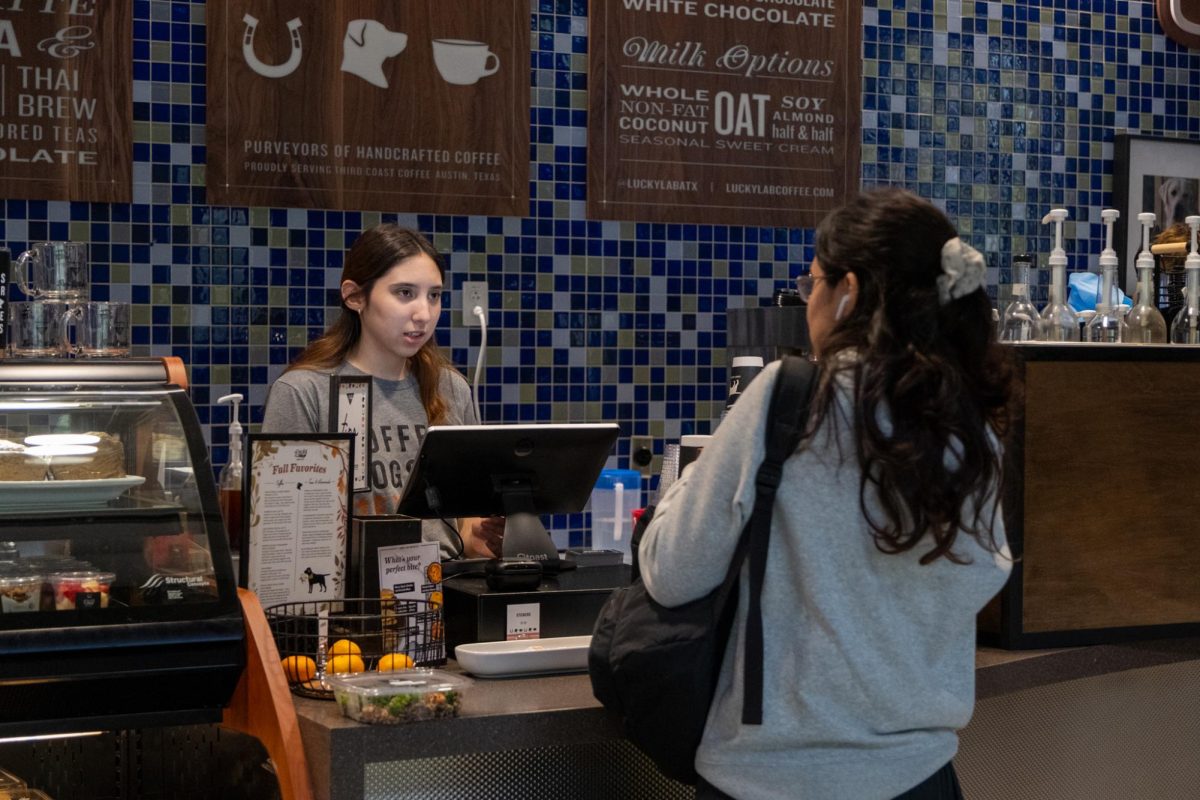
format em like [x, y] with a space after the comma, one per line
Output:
[464, 62]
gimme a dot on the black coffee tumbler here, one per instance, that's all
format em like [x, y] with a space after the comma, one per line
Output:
[740, 374]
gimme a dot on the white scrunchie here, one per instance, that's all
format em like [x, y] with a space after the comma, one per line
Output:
[963, 270]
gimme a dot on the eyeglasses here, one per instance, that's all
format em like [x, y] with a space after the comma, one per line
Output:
[805, 284]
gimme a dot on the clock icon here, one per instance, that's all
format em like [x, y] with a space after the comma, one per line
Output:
[350, 412]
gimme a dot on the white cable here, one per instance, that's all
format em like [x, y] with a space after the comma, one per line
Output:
[478, 311]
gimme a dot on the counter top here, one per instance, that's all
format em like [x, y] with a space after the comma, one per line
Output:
[509, 714]
[999, 672]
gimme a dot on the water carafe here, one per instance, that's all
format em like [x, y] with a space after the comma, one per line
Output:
[617, 493]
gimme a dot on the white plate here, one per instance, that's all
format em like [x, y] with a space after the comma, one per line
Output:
[63, 495]
[525, 657]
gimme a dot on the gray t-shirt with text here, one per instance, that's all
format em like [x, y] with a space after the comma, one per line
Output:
[299, 403]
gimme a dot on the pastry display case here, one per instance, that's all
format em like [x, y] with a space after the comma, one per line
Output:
[118, 602]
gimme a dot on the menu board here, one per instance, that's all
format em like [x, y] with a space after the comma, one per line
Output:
[369, 104]
[66, 117]
[297, 516]
[743, 112]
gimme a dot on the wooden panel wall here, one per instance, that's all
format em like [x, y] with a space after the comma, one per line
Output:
[1112, 494]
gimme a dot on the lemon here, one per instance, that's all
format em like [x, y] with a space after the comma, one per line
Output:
[342, 664]
[344, 647]
[395, 661]
[299, 669]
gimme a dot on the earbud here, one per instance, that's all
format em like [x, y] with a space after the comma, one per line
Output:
[841, 309]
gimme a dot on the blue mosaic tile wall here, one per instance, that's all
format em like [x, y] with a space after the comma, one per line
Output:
[996, 110]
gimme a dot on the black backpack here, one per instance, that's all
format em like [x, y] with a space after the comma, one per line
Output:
[657, 667]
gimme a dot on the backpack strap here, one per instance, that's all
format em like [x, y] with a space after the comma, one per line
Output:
[786, 420]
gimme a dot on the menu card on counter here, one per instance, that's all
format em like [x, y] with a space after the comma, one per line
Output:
[419, 105]
[741, 112]
[411, 576]
[297, 491]
[411, 572]
[66, 111]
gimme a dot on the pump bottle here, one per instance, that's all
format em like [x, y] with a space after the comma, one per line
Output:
[1059, 322]
[229, 482]
[1185, 328]
[1108, 323]
[1144, 324]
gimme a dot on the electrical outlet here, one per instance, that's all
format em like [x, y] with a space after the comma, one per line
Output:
[474, 293]
[641, 454]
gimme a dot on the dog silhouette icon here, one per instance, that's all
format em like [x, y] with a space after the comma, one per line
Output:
[367, 44]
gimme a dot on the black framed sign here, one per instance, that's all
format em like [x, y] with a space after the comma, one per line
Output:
[350, 412]
[297, 516]
[1151, 174]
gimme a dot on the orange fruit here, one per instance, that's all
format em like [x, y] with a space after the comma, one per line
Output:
[344, 647]
[299, 669]
[342, 664]
[395, 661]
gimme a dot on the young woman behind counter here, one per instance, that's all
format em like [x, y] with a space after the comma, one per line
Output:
[391, 287]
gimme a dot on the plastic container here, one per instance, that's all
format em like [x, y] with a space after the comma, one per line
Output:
[85, 589]
[20, 592]
[617, 493]
[395, 698]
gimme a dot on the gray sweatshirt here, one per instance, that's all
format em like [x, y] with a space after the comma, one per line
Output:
[869, 664]
[299, 403]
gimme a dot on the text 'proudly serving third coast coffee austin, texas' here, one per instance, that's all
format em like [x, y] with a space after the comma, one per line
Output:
[723, 111]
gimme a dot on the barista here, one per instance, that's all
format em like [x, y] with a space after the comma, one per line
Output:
[391, 299]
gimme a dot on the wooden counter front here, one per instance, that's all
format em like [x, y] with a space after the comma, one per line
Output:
[1101, 501]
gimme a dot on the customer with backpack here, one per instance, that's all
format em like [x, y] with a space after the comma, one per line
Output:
[887, 536]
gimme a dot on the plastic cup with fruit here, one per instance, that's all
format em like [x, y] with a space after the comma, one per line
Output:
[85, 589]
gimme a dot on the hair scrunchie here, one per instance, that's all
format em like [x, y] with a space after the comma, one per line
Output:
[963, 270]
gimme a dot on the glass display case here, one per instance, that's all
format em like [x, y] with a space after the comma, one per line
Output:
[118, 603]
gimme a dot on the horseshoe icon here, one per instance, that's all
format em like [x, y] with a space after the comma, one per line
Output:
[271, 70]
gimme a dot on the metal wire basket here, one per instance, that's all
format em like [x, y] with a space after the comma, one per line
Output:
[319, 638]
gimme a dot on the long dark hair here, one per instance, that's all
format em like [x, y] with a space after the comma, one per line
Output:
[929, 379]
[373, 253]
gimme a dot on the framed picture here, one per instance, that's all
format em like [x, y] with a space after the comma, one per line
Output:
[350, 412]
[1151, 174]
[297, 516]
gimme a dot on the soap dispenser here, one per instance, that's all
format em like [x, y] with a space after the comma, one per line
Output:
[229, 482]
[1185, 328]
[1059, 322]
[1144, 324]
[1106, 326]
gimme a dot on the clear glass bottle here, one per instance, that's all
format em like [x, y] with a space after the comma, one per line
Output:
[1107, 324]
[1019, 323]
[1185, 328]
[1059, 323]
[1144, 324]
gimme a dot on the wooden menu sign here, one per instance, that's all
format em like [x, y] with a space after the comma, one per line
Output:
[66, 115]
[743, 112]
[418, 105]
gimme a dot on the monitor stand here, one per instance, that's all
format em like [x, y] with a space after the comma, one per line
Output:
[525, 537]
